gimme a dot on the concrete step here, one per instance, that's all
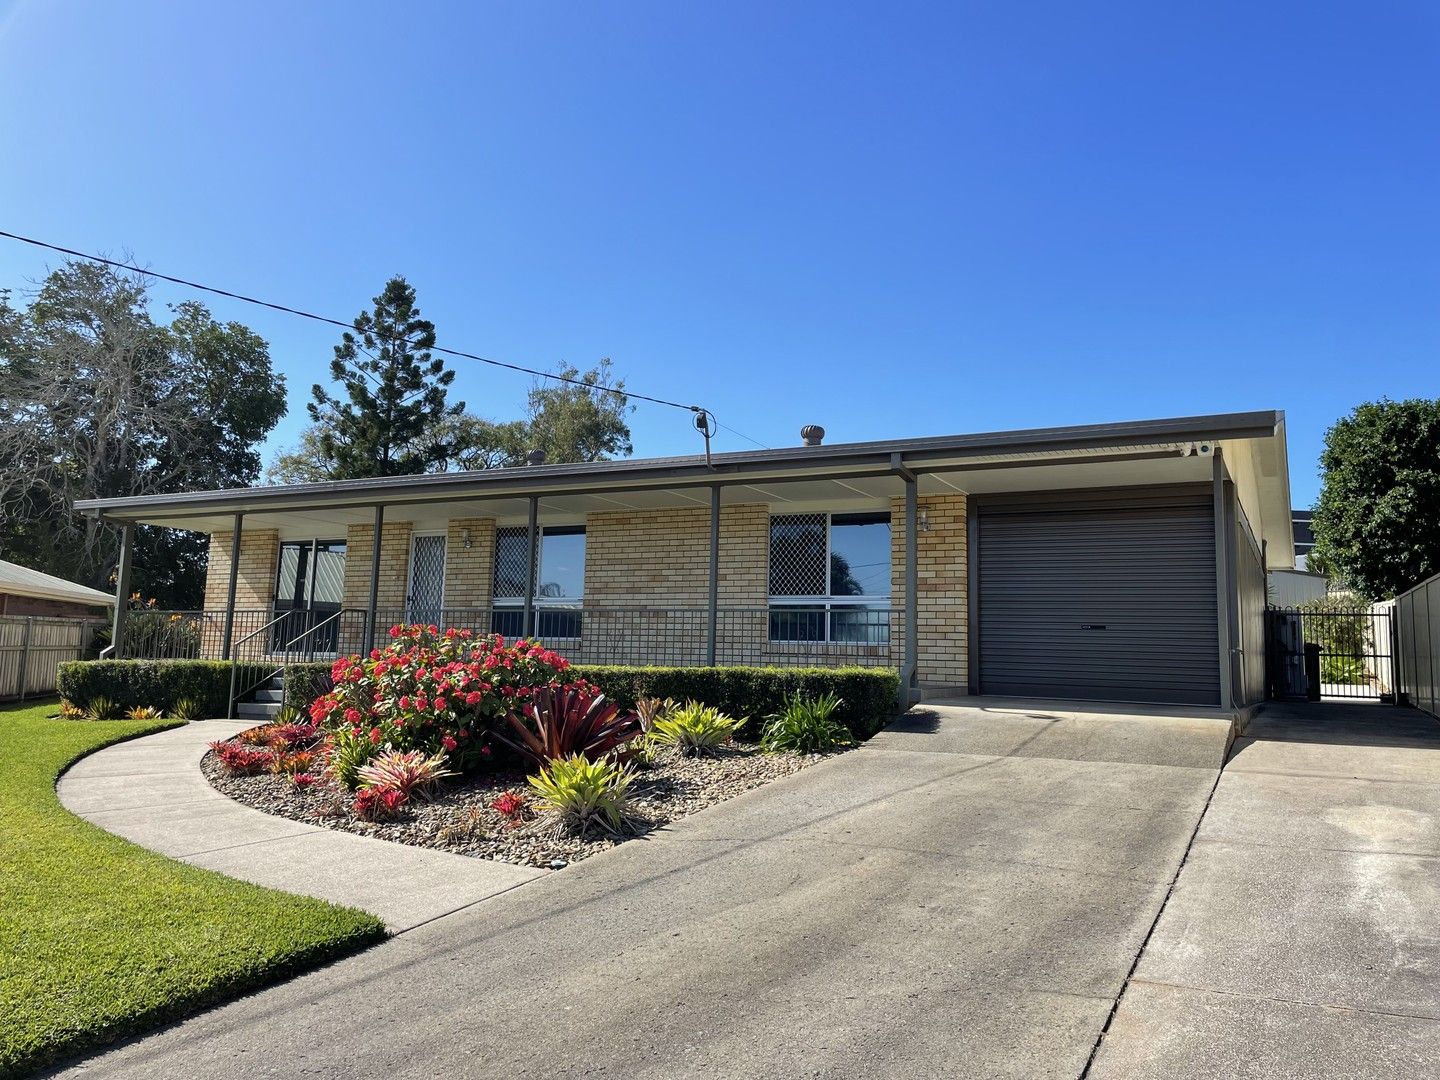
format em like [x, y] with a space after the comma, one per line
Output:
[257, 710]
[270, 693]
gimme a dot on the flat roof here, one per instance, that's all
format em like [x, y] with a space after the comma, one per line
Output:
[919, 455]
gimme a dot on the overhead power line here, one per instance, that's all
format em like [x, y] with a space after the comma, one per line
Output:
[312, 316]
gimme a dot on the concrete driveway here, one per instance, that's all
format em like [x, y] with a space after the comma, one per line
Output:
[964, 896]
[1303, 936]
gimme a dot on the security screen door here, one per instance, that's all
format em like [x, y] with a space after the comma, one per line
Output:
[426, 597]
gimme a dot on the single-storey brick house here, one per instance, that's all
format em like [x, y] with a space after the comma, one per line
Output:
[1113, 561]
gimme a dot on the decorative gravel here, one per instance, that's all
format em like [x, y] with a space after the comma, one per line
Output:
[461, 820]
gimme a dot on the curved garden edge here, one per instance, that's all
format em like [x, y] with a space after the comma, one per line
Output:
[462, 820]
[104, 939]
[156, 795]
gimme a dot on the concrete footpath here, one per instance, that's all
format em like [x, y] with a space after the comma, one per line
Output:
[1303, 935]
[965, 895]
[151, 791]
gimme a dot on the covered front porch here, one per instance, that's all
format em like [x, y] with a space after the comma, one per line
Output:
[855, 554]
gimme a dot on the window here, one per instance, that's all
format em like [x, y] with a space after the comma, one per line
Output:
[830, 578]
[559, 581]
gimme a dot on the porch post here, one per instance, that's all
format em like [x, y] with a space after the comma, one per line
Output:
[370, 611]
[909, 673]
[122, 591]
[528, 627]
[228, 637]
[1223, 535]
[714, 574]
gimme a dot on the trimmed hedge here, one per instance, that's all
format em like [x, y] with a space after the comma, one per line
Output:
[754, 692]
[157, 683]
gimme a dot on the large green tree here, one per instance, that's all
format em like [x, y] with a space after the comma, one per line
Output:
[1377, 523]
[584, 420]
[99, 400]
[393, 392]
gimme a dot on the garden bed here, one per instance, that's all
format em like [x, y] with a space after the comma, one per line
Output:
[462, 820]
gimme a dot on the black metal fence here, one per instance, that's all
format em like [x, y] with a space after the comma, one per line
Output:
[1315, 653]
[785, 636]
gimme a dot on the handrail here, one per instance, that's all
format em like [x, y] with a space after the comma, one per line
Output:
[317, 626]
[285, 648]
[234, 648]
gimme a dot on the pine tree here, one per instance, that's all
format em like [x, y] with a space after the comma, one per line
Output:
[394, 393]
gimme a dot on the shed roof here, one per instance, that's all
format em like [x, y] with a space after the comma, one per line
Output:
[20, 580]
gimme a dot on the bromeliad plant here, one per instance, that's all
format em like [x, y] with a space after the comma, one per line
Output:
[437, 692]
[560, 723]
[578, 794]
[695, 729]
[409, 772]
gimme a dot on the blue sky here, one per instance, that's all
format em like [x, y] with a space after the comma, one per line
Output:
[889, 219]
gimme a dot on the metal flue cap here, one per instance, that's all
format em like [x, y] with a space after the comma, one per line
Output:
[535, 457]
[812, 434]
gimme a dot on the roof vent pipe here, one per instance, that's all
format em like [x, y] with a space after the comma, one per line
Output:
[535, 457]
[812, 434]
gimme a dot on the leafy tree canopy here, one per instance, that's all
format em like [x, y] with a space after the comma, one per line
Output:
[97, 400]
[570, 422]
[1376, 521]
[393, 387]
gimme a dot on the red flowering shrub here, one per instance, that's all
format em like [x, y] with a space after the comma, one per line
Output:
[438, 692]
[378, 804]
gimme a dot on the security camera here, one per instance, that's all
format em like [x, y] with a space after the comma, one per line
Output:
[1205, 449]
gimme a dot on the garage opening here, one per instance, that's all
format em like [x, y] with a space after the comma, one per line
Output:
[1100, 595]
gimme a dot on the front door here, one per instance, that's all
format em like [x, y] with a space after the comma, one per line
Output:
[426, 595]
[309, 590]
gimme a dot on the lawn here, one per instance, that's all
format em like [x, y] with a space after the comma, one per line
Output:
[100, 938]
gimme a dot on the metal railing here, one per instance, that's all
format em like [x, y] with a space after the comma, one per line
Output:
[787, 634]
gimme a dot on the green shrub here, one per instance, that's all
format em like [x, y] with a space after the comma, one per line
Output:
[160, 684]
[306, 682]
[806, 726]
[579, 793]
[867, 694]
[694, 728]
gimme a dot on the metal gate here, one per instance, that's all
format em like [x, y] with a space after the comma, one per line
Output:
[1334, 653]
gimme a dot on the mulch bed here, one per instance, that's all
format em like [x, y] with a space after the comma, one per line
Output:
[460, 820]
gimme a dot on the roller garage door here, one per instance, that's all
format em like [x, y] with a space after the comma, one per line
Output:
[1101, 595]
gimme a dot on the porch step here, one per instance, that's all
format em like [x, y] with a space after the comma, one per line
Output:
[270, 693]
[257, 710]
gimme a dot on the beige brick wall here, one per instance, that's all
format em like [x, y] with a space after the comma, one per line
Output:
[254, 588]
[662, 557]
[942, 587]
[469, 572]
[255, 583]
[655, 559]
[394, 565]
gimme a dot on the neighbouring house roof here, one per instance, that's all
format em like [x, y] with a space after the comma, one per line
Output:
[1091, 455]
[22, 581]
